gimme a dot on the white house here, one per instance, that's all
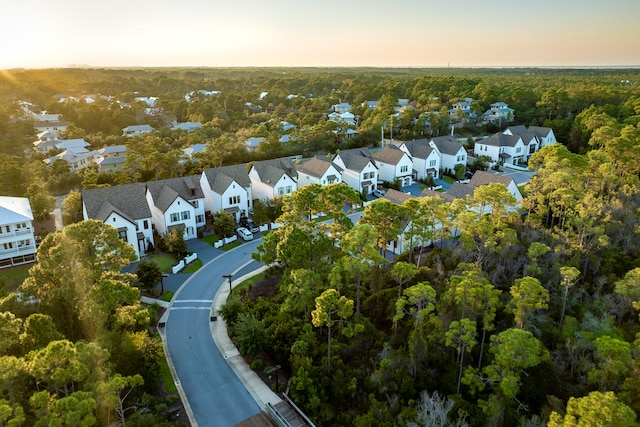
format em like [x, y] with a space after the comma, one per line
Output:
[273, 178]
[253, 143]
[393, 164]
[426, 159]
[52, 126]
[462, 110]
[177, 203]
[342, 107]
[78, 158]
[17, 241]
[484, 178]
[451, 152]
[125, 208]
[545, 135]
[359, 170]
[227, 188]
[318, 170]
[136, 130]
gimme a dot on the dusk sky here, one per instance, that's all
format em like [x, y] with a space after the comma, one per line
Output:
[402, 33]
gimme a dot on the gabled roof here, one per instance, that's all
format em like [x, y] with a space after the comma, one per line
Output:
[317, 167]
[221, 177]
[356, 159]
[447, 144]
[501, 140]
[432, 193]
[419, 149]
[15, 209]
[540, 131]
[126, 200]
[460, 191]
[166, 191]
[484, 178]
[389, 155]
[109, 149]
[397, 197]
[137, 128]
[271, 171]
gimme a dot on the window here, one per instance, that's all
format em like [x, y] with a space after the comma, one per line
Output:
[432, 163]
[287, 189]
[199, 218]
[195, 203]
[234, 200]
[122, 233]
[175, 217]
[519, 149]
[186, 215]
[404, 169]
[145, 224]
[23, 243]
[8, 245]
[280, 191]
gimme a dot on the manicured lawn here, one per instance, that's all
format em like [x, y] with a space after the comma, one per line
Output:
[167, 296]
[211, 238]
[448, 179]
[193, 267]
[14, 276]
[164, 261]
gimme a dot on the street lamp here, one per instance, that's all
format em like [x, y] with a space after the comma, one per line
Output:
[228, 277]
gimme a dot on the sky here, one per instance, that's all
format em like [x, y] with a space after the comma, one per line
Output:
[311, 33]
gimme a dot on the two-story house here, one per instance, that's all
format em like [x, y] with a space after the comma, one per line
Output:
[451, 152]
[17, 240]
[177, 203]
[110, 158]
[318, 170]
[426, 159]
[498, 112]
[228, 189]
[359, 170]
[273, 178]
[502, 148]
[394, 164]
[125, 208]
[544, 134]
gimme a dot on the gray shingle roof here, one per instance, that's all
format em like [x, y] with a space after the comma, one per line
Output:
[271, 171]
[484, 178]
[389, 155]
[397, 197]
[501, 140]
[165, 191]
[419, 149]
[356, 159]
[460, 191]
[447, 144]
[540, 131]
[317, 166]
[220, 178]
[127, 200]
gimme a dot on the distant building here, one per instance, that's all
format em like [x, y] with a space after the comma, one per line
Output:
[136, 130]
[17, 240]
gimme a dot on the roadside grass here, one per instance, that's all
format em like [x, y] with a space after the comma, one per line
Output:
[167, 379]
[14, 276]
[193, 267]
[167, 296]
[246, 284]
[448, 179]
[231, 245]
[164, 261]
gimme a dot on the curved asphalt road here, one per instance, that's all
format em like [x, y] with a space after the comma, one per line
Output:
[216, 396]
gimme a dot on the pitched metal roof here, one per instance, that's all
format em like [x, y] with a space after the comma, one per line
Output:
[127, 200]
[15, 209]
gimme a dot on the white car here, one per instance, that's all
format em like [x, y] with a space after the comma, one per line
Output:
[378, 193]
[244, 234]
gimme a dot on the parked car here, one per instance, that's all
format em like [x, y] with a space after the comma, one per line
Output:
[244, 233]
[378, 193]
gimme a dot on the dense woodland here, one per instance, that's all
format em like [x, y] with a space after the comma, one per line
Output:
[527, 318]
